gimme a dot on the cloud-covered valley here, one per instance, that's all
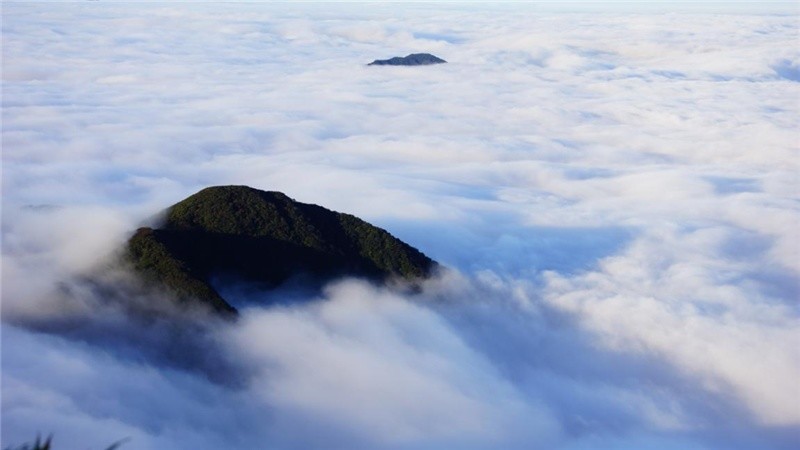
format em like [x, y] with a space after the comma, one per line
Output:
[615, 196]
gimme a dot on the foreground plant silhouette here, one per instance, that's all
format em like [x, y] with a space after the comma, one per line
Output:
[38, 444]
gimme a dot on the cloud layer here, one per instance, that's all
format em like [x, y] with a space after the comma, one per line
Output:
[616, 196]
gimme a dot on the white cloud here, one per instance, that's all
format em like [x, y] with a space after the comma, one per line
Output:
[618, 192]
[670, 294]
[378, 366]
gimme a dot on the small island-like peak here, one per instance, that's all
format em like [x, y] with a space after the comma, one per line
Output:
[414, 59]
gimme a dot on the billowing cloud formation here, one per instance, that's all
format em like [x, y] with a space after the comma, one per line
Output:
[615, 193]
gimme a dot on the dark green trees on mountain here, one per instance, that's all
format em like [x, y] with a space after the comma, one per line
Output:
[263, 238]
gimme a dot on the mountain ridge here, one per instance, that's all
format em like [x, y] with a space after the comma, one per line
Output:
[264, 238]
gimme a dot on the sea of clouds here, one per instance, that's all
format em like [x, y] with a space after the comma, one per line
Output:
[616, 196]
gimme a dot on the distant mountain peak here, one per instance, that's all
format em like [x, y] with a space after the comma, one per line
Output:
[265, 239]
[414, 59]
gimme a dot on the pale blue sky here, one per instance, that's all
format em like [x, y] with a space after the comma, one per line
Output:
[641, 6]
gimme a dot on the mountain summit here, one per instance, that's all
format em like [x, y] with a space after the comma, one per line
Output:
[414, 59]
[264, 239]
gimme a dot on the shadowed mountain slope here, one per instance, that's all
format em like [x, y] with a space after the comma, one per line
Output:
[264, 239]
